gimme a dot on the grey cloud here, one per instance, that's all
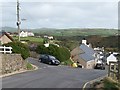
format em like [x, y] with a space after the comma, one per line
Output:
[65, 14]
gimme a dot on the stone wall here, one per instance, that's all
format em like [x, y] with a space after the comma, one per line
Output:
[11, 63]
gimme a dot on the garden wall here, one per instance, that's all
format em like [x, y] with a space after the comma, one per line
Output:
[11, 63]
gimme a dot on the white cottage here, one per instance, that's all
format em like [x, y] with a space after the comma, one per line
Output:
[23, 34]
[111, 58]
[30, 34]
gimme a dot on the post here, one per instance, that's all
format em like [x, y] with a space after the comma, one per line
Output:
[118, 70]
[114, 72]
[18, 20]
[109, 69]
[4, 50]
[10, 50]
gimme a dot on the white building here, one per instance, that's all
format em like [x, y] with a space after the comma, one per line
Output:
[26, 34]
[30, 34]
[111, 58]
[50, 37]
[23, 34]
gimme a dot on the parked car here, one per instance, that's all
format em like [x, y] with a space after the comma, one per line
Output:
[48, 59]
[100, 66]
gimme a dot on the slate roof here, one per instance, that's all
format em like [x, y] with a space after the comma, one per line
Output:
[88, 52]
[4, 33]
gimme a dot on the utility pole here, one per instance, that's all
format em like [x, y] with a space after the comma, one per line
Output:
[18, 20]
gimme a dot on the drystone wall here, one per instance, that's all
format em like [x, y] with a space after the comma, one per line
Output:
[11, 63]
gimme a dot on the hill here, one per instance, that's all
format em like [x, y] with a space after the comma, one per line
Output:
[69, 31]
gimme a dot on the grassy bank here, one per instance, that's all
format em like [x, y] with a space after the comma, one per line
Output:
[30, 39]
[110, 84]
[106, 84]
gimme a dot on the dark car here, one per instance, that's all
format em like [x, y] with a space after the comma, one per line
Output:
[48, 59]
[100, 66]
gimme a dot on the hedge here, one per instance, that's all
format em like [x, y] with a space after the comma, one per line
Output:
[61, 53]
[19, 48]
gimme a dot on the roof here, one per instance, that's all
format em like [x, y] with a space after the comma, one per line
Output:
[88, 53]
[111, 57]
[4, 33]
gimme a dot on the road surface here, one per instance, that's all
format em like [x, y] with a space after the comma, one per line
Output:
[48, 76]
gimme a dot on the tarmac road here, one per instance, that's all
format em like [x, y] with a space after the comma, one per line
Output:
[48, 76]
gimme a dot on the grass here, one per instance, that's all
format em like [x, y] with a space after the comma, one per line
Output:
[31, 39]
[79, 32]
[106, 84]
[29, 66]
[110, 84]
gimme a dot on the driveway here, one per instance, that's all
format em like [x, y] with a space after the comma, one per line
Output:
[48, 76]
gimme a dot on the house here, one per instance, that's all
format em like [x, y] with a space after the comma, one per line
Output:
[26, 34]
[23, 34]
[50, 37]
[30, 33]
[111, 58]
[5, 38]
[84, 55]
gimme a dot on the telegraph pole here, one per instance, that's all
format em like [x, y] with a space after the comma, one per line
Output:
[18, 20]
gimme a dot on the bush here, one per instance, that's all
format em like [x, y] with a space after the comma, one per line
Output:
[60, 53]
[19, 48]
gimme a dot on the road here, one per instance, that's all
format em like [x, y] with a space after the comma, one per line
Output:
[48, 76]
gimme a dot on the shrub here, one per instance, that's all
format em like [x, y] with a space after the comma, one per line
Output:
[61, 53]
[19, 48]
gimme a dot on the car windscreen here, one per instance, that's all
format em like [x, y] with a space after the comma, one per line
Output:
[52, 57]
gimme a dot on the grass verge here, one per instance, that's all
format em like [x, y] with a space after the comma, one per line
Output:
[29, 66]
[110, 84]
[106, 84]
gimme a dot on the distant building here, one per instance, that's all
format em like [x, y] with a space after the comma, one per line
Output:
[50, 37]
[84, 55]
[26, 34]
[30, 34]
[23, 34]
[111, 58]
[5, 38]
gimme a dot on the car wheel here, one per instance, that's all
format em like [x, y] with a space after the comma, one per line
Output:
[39, 60]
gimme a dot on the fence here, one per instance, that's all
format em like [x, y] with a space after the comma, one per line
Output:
[114, 71]
[4, 49]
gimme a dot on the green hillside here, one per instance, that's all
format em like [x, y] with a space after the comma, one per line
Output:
[69, 31]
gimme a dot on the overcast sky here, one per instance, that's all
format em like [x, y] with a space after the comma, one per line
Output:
[58, 14]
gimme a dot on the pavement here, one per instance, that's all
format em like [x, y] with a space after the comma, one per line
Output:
[49, 76]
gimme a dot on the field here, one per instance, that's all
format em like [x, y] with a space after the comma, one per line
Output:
[77, 32]
[30, 39]
[69, 31]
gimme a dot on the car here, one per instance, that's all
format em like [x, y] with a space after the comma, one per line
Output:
[49, 59]
[100, 66]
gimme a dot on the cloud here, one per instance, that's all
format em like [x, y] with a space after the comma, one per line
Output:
[63, 14]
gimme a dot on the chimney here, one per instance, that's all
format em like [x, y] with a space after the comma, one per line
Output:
[84, 41]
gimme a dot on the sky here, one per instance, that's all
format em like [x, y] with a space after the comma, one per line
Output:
[61, 14]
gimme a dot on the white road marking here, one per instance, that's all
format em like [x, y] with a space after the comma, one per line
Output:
[84, 86]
